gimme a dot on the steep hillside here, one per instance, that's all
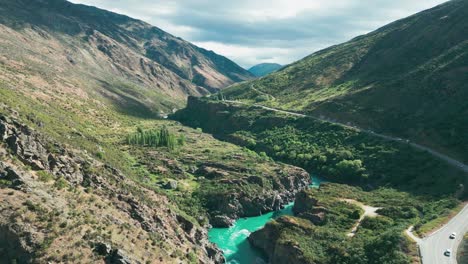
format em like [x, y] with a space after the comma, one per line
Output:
[264, 69]
[57, 49]
[408, 78]
[77, 190]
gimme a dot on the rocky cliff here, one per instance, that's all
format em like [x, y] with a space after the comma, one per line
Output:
[62, 205]
[269, 240]
[250, 195]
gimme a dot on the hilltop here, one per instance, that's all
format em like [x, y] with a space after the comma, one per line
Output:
[263, 69]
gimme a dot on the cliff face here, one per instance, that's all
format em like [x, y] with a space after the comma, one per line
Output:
[269, 240]
[270, 192]
[251, 195]
[61, 204]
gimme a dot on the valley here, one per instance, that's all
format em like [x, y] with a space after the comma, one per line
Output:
[323, 148]
[121, 143]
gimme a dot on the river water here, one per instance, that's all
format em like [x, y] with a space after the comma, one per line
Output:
[233, 240]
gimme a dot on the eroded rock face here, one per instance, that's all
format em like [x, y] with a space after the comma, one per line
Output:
[31, 149]
[13, 247]
[308, 207]
[266, 239]
[284, 185]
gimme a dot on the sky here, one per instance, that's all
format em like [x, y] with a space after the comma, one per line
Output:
[256, 31]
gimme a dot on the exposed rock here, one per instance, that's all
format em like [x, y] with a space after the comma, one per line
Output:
[266, 239]
[215, 254]
[146, 212]
[211, 172]
[255, 180]
[225, 210]
[221, 221]
[28, 146]
[171, 185]
[308, 207]
[9, 174]
[102, 248]
[14, 246]
[118, 256]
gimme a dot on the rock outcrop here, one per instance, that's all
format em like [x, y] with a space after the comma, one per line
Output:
[270, 192]
[118, 203]
[308, 207]
[267, 240]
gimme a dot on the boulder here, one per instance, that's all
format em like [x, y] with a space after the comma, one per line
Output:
[171, 185]
[118, 256]
[221, 221]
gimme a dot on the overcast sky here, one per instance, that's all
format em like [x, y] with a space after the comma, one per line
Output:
[254, 31]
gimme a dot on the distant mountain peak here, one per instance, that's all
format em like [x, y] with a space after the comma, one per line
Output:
[263, 69]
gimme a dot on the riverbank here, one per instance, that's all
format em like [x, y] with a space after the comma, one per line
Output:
[233, 240]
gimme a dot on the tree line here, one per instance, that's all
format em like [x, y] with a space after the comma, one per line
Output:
[155, 138]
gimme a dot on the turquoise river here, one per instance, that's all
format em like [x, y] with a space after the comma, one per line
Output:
[233, 240]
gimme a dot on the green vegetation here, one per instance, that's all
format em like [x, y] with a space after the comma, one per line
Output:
[378, 239]
[44, 176]
[334, 152]
[155, 138]
[413, 187]
[463, 250]
[403, 79]
[263, 69]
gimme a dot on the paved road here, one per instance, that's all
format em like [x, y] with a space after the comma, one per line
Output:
[439, 155]
[433, 246]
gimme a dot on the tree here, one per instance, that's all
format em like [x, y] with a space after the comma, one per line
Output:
[350, 169]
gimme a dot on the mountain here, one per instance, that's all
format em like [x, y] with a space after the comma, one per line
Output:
[408, 79]
[263, 69]
[78, 51]
[88, 172]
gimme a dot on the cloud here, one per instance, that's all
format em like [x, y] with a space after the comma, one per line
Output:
[255, 31]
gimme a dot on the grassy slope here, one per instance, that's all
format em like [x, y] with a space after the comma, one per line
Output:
[407, 78]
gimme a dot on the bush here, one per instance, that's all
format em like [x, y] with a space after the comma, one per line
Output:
[44, 176]
[100, 155]
[61, 183]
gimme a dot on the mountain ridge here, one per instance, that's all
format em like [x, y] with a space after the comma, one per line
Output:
[406, 79]
[263, 69]
[93, 46]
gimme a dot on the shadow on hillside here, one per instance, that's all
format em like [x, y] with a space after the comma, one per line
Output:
[125, 103]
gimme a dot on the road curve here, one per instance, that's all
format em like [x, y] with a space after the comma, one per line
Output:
[433, 246]
[439, 155]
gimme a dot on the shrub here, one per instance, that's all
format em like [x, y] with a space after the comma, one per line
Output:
[44, 176]
[60, 183]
